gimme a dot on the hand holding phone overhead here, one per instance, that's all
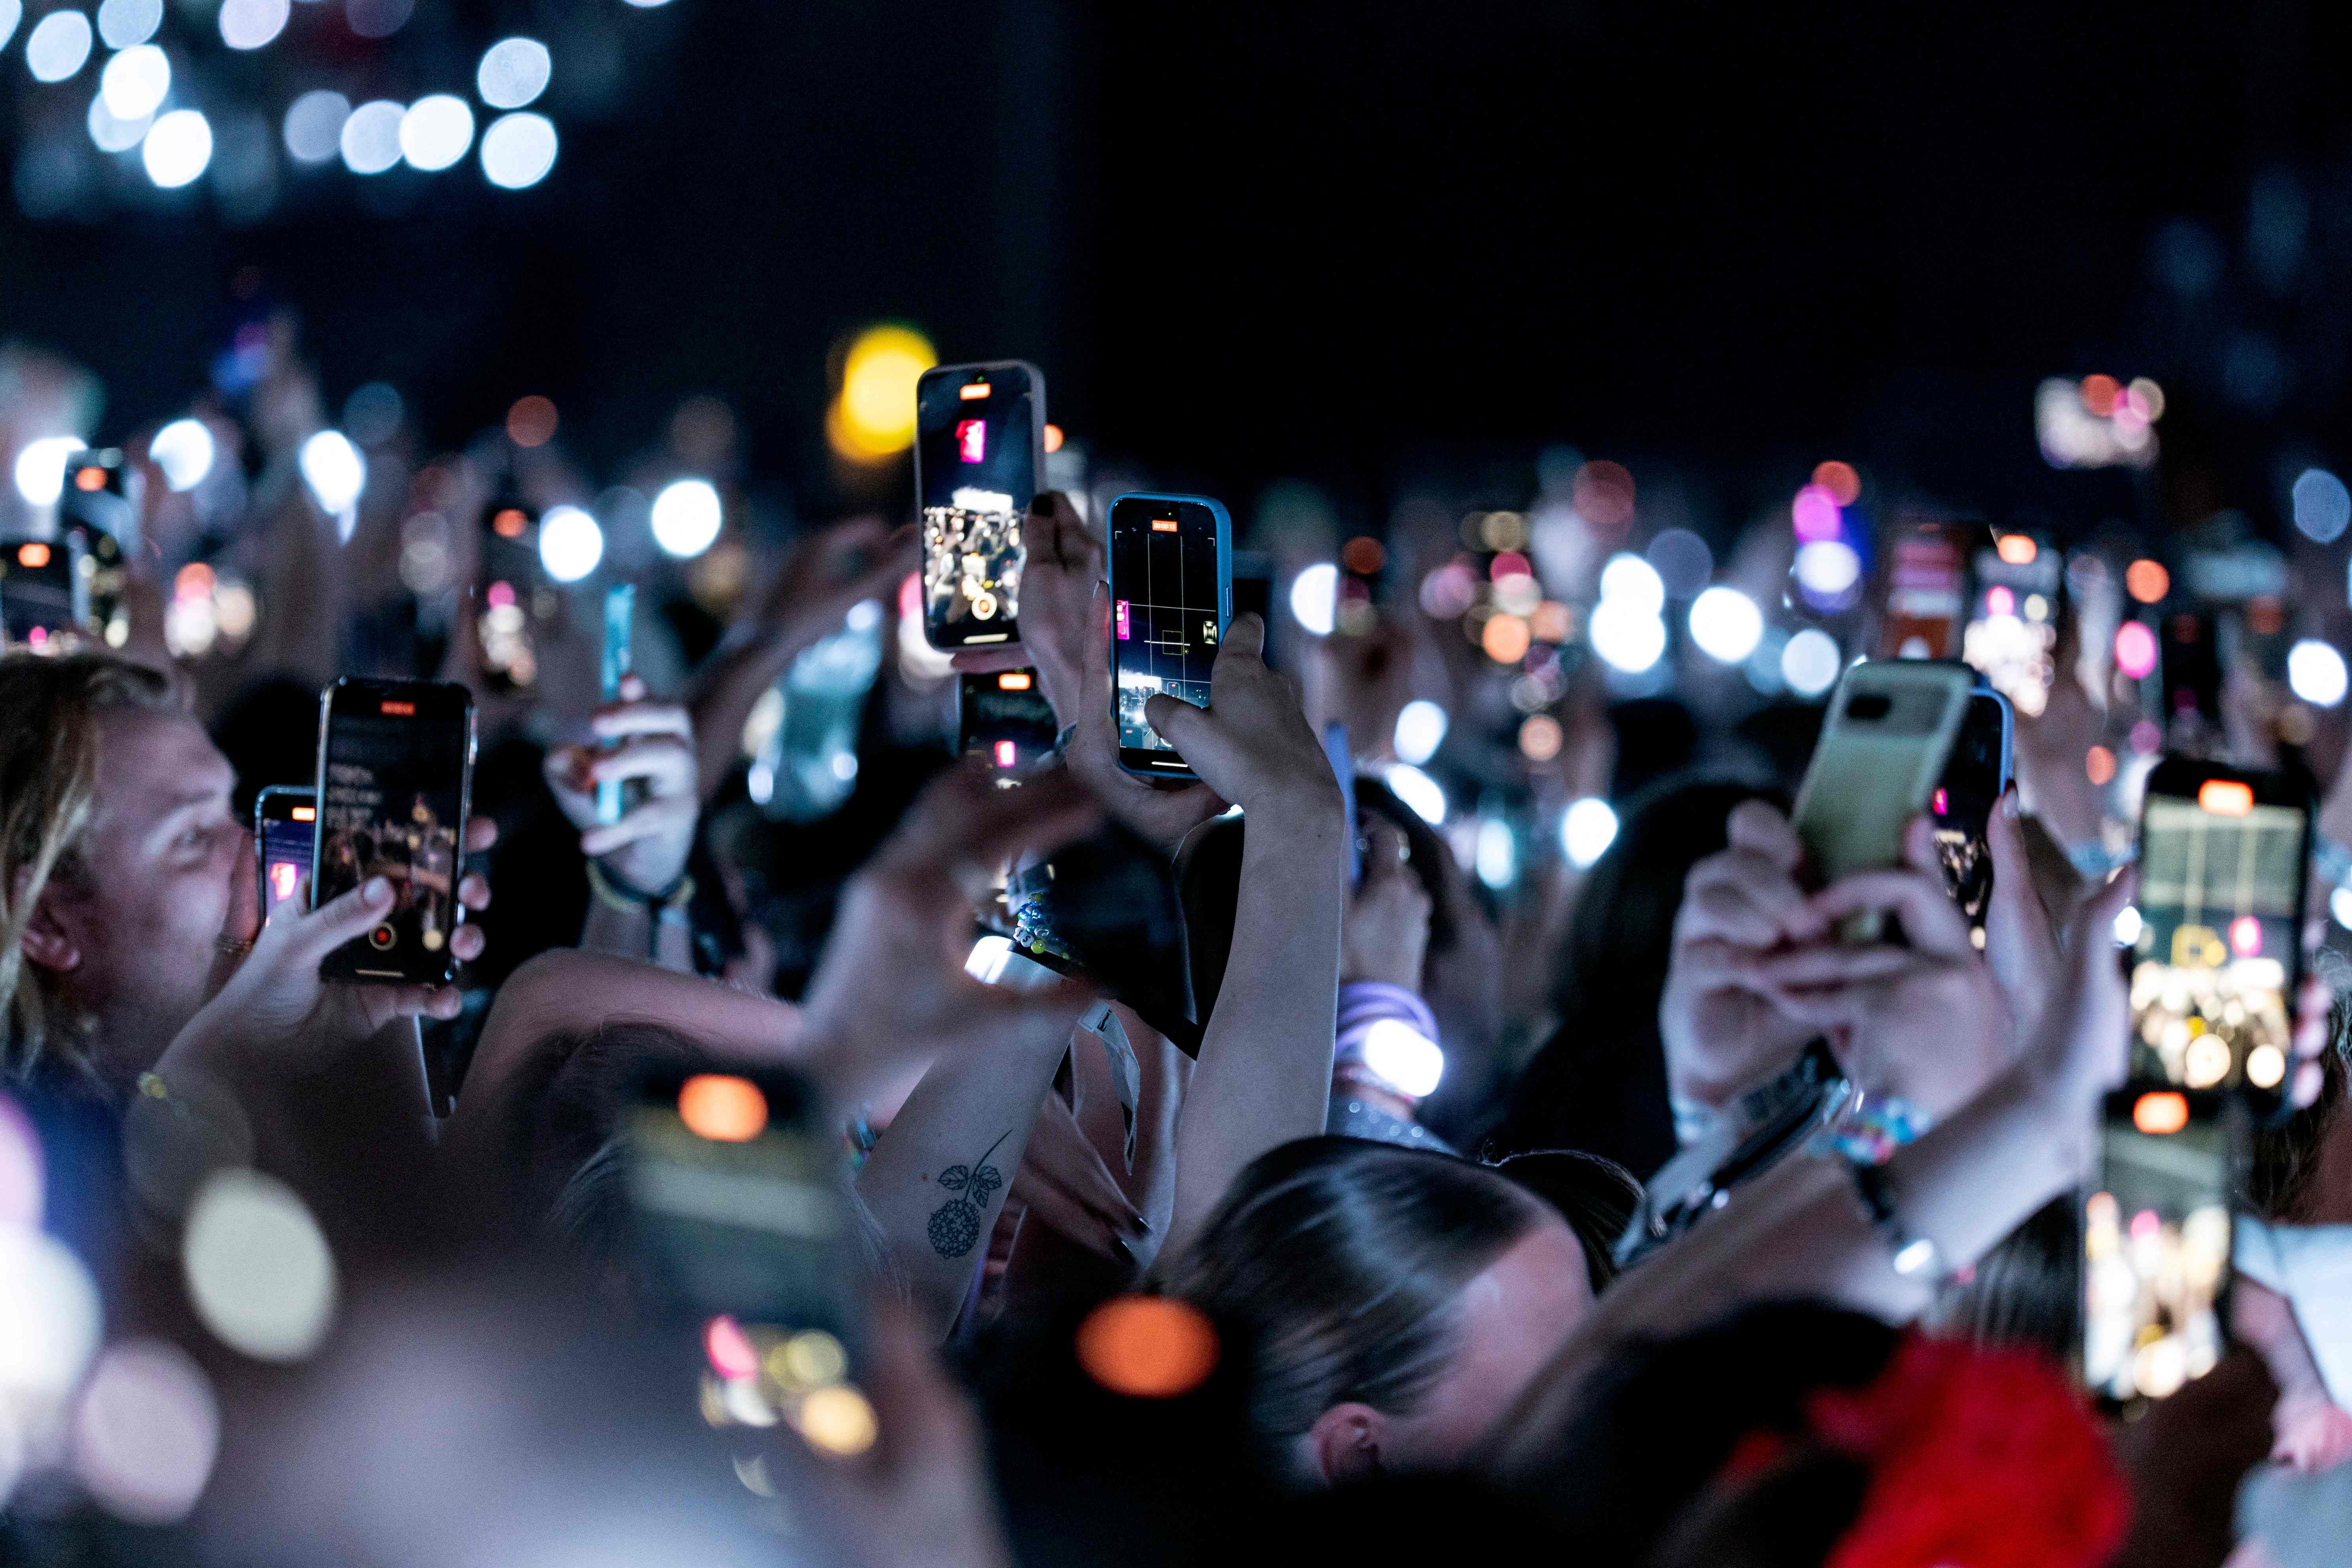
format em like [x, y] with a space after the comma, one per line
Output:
[1251, 744]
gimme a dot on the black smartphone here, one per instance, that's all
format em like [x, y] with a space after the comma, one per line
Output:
[741, 1227]
[44, 594]
[1003, 717]
[1253, 596]
[1975, 773]
[2219, 951]
[2191, 667]
[395, 782]
[1105, 908]
[1923, 592]
[102, 494]
[1171, 593]
[285, 845]
[2156, 1243]
[979, 448]
[509, 596]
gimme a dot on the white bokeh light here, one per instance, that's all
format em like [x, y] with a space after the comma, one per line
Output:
[126, 24]
[1587, 828]
[436, 131]
[314, 126]
[1424, 794]
[58, 46]
[2339, 904]
[334, 471]
[50, 1315]
[2128, 925]
[1627, 635]
[11, 12]
[134, 82]
[1809, 663]
[686, 517]
[1827, 567]
[177, 149]
[2322, 506]
[1495, 853]
[513, 72]
[259, 1271]
[1726, 624]
[1420, 731]
[370, 141]
[2315, 672]
[41, 468]
[571, 543]
[109, 134]
[518, 151]
[1314, 598]
[146, 1431]
[185, 450]
[1402, 1058]
[250, 24]
[1630, 581]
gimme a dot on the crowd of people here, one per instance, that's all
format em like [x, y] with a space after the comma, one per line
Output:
[1050, 1268]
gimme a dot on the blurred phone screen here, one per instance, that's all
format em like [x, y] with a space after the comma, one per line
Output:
[2156, 1246]
[1002, 717]
[393, 769]
[43, 599]
[1926, 591]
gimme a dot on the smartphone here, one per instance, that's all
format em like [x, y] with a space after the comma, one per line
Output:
[285, 845]
[1171, 594]
[2219, 951]
[2013, 617]
[102, 494]
[1885, 745]
[44, 594]
[1105, 908]
[615, 796]
[1924, 592]
[394, 785]
[1253, 596]
[2156, 1245]
[510, 589]
[979, 448]
[1003, 716]
[739, 1227]
[1962, 805]
[2190, 669]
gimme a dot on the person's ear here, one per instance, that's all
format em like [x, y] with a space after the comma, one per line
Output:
[47, 944]
[1345, 1444]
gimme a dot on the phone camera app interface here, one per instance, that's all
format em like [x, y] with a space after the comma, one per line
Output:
[1164, 617]
[286, 851]
[391, 811]
[2219, 877]
[2156, 1249]
[978, 481]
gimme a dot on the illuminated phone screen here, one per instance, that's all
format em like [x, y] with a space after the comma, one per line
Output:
[289, 835]
[2156, 1247]
[392, 804]
[1164, 606]
[976, 436]
[1005, 719]
[2213, 965]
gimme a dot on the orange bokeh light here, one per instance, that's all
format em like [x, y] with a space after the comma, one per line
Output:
[1146, 1347]
[2147, 581]
[1504, 639]
[531, 421]
[1053, 438]
[1540, 738]
[2099, 764]
[2226, 797]
[2100, 392]
[1839, 480]
[1363, 555]
[722, 1108]
[2160, 1114]
[511, 523]
[2017, 549]
[32, 554]
[194, 581]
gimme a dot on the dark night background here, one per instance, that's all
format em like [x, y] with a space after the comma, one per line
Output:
[1323, 237]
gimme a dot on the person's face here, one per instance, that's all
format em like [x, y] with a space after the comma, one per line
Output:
[134, 941]
[1513, 1319]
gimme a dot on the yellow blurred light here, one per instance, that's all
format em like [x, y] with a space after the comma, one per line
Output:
[2160, 1114]
[2266, 1065]
[874, 417]
[837, 1420]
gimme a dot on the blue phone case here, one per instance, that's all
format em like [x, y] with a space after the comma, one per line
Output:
[1224, 589]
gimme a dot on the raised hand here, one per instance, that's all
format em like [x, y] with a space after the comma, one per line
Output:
[1251, 744]
[1161, 812]
[648, 847]
[1056, 587]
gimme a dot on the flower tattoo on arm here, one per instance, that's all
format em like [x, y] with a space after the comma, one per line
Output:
[955, 1223]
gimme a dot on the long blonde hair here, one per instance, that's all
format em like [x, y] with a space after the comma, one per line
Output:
[49, 710]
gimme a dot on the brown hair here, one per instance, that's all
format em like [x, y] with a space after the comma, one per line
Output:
[48, 783]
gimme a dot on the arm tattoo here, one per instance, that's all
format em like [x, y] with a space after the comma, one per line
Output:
[955, 1223]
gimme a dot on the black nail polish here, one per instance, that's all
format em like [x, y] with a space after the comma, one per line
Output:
[1143, 1225]
[1125, 1255]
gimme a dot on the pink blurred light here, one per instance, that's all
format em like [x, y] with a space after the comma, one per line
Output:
[1815, 513]
[2136, 654]
[20, 1166]
[2000, 602]
[1509, 563]
[2246, 936]
[730, 1349]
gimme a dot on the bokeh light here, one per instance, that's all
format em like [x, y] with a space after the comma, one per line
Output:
[2147, 581]
[686, 515]
[518, 151]
[571, 543]
[177, 149]
[1587, 828]
[2323, 507]
[146, 1431]
[1633, 583]
[20, 1166]
[1314, 598]
[1843, 484]
[2315, 672]
[837, 1420]
[109, 135]
[1627, 637]
[58, 46]
[184, 450]
[1505, 639]
[873, 416]
[1146, 1347]
[1424, 794]
[1810, 662]
[41, 468]
[1540, 738]
[335, 470]
[1603, 495]
[531, 421]
[1420, 731]
[125, 24]
[1401, 1055]
[722, 1108]
[1813, 515]
[11, 12]
[2136, 650]
[2099, 765]
[250, 24]
[258, 1270]
[134, 82]
[49, 1316]
[1726, 624]
[2017, 549]
[313, 128]
[1827, 569]
[1682, 560]
[370, 141]
[436, 131]
[513, 72]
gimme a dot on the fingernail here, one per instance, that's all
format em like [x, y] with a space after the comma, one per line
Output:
[1125, 1254]
[1042, 503]
[376, 891]
[1143, 1225]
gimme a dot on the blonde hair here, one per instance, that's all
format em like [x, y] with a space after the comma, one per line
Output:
[48, 784]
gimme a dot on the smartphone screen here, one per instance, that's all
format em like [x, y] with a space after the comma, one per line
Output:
[977, 450]
[2013, 618]
[1925, 590]
[395, 772]
[1172, 597]
[2156, 1246]
[102, 494]
[285, 844]
[1003, 716]
[616, 796]
[736, 1192]
[1962, 805]
[44, 604]
[509, 596]
[2219, 951]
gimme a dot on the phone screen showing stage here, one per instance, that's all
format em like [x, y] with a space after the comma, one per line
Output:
[392, 804]
[1164, 603]
[2156, 1246]
[976, 455]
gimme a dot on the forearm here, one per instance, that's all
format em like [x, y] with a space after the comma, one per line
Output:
[1264, 1070]
[635, 933]
[968, 1121]
[2266, 1320]
[723, 699]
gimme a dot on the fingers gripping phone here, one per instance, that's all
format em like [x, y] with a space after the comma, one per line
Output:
[740, 1226]
[2218, 954]
[1002, 717]
[979, 448]
[285, 844]
[394, 785]
[1881, 752]
[1171, 598]
[2156, 1243]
